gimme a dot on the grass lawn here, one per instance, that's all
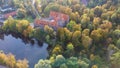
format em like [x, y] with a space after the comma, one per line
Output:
[29, 18]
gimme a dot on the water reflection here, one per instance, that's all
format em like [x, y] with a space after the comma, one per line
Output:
[1, 36]
[23, 48]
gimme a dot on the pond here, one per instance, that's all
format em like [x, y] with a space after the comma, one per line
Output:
[22, 49]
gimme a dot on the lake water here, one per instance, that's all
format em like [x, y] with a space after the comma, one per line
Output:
[18, 47]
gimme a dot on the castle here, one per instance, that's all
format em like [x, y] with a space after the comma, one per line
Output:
[55, 20]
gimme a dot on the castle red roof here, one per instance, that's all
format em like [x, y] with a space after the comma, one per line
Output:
[10, 14]
[45, 22]
[59, 16]
[55, 20]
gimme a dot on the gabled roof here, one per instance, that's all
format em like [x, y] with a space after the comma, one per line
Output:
[10, 14]
[59, 16]
[44, 22]
[55, 20]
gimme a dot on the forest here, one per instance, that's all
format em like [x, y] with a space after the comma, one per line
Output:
[91, 38]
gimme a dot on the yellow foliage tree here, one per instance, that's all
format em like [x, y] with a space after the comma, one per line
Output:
[86, 41]
[57, 50]
[76, 37]
[10, 61]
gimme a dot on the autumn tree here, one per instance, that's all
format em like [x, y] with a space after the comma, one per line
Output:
[67, 10]
[99, 34]
[115, 60]
[77, 27]
[71, 24]
[75, 16]
[57, 50]
[98, 11]
[85, 20]
[9, 24]
[29, 32]
[48, 30]
[62, 2]
[22, 25]
[70, 50]
[21, 12]
[94, 66]
[38, 6]
[91, 14]
[39, 34]
[62, 9]
[118, 43]
[17, 2]
[86, 41]
[86, 32]
[59, 60]
[76, 38]
[76, 7]
[106, 25]
[43, 64]
[116, 16]
[10, 61]
[60, 34]
[84, 62]
[22, 64]
[116, 33]
[107, 15]
[96, 22]
[68, 35]
[63, 66]
[51, 7]
[95, 35]
[72, 62]
[73, 2]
